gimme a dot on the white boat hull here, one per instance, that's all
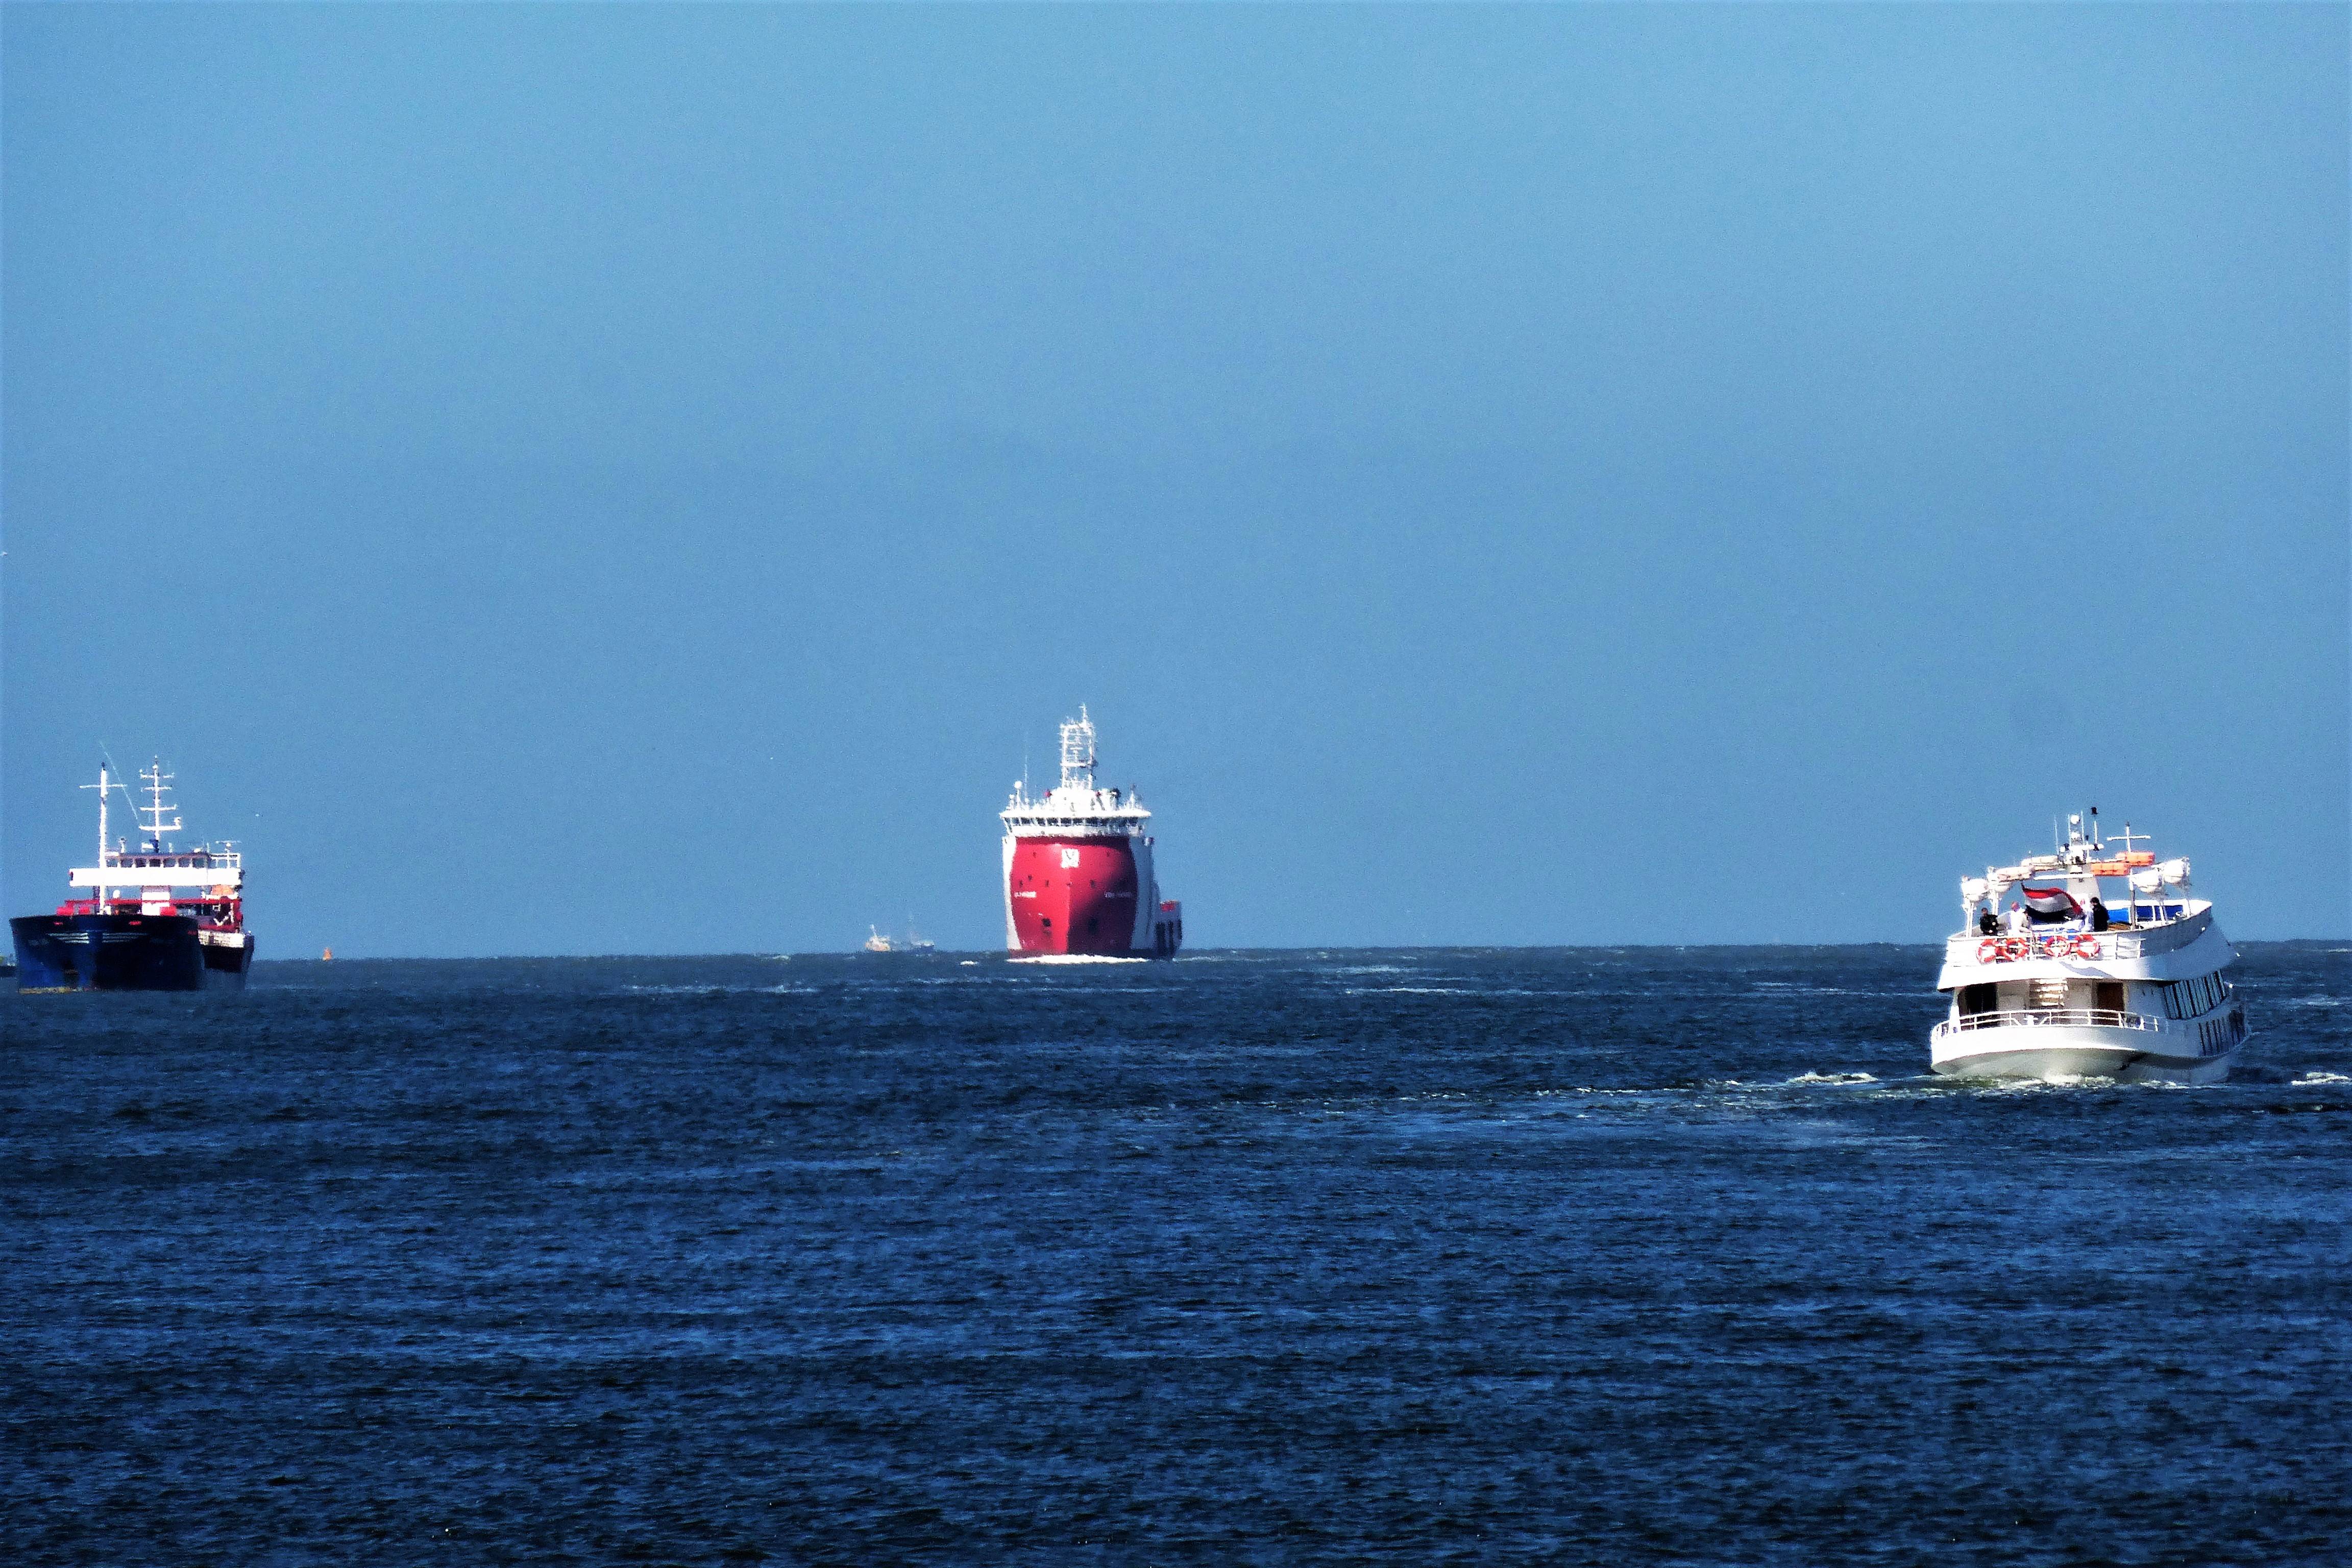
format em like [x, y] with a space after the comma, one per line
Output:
[2076, 1051]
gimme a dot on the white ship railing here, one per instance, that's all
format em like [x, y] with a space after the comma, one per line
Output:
[2029, 1017]
[2215, 1033]
[1120, 825]
[2069, 941]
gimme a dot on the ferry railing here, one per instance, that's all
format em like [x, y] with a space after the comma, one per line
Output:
[2079, 1017]
[2079, 942]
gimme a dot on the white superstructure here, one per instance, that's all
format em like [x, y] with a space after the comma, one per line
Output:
[157, 870]
[1074, 805]
[2049, 976]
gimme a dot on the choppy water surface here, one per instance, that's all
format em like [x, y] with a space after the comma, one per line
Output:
[1585, 1255]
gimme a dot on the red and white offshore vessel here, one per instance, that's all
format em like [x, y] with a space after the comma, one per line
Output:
[1077, 867]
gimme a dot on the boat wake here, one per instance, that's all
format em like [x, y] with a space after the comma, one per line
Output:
[1802, 1080]
[1075, 958]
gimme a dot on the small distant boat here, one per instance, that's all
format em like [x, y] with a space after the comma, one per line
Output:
[2103, 966]
[878, 943]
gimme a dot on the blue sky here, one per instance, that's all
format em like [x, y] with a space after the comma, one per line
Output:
[585, 480]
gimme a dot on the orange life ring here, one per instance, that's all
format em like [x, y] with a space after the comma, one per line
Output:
[2086, 947]
[2016, 946]
[1987, 950]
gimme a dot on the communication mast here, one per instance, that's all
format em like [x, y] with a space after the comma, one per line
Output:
[1078, 751]
[154, 828]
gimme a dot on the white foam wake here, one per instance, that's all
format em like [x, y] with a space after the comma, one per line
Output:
[722, 990]
[1075, 958]
[1802, 1080]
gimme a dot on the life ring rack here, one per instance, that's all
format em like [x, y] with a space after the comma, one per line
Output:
[2009, 949]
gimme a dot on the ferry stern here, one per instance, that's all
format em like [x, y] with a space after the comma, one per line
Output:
[2064, 984]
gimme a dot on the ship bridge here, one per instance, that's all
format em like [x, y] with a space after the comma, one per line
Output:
[1077, 805]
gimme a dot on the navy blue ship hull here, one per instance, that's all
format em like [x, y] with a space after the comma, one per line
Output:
[124, 952]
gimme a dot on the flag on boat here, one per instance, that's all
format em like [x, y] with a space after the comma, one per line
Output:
[2050, 903]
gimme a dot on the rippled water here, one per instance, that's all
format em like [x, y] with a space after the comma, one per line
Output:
[1639, 1255]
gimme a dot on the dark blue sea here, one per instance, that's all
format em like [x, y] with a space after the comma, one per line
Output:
[1632, 1256]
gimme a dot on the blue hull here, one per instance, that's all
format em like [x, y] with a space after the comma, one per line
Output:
[122, 953]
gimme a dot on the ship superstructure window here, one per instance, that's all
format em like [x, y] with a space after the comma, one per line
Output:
[2188, 998]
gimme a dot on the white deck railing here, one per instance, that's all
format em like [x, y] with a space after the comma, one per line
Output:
[2079, 1017]
[2215, 1033]
[2069, 941]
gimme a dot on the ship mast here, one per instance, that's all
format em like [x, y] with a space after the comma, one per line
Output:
[100, 786]
[1078, 751]
[155, 779]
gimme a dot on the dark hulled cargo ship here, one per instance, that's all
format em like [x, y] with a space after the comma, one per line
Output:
[156, 918]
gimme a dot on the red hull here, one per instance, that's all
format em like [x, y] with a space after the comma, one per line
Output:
[1073, 895]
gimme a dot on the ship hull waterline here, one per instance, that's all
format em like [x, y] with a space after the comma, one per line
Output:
[2062, 1052]
[126, 953]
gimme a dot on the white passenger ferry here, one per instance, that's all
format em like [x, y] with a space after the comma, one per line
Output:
[2089, 963]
